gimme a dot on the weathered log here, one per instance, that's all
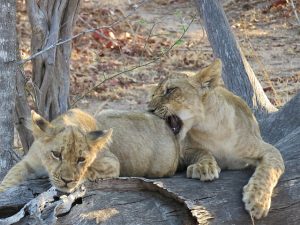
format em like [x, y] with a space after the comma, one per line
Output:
[280, 124]
[125, 200]
[165, 201]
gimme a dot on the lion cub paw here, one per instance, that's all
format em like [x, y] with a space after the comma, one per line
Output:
[257, 200]
[205, 171]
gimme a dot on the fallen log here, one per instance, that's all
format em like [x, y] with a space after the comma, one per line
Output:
[175, 200]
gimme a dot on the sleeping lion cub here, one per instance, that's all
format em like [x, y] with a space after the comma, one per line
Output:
[222, 128]
[71, 149]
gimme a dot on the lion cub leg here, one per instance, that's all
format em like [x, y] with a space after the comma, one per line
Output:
[201, 164]
[106, 165]
[257, 193]
[17, 174]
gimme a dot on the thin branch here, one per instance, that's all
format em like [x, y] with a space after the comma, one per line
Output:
[97, 31]
[295, 11]
[141, 3]
[139, 66]
[147, 40]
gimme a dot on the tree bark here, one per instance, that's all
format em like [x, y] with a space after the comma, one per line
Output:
[51, 21]
[237, 74]
[8, 57]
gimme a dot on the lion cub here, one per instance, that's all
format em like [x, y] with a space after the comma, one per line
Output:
[63, 150]
[71, 149]
[220, 131]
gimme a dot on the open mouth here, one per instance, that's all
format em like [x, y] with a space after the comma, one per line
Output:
[175, 123]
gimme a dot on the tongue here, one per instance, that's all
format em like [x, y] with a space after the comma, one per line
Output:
[174, 123]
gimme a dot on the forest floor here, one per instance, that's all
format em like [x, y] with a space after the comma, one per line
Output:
[267, 31]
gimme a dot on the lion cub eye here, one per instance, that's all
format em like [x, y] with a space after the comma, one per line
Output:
[80, 160]
[170, 90]
[56, 155]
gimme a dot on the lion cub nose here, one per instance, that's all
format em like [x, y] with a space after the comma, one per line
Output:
[66, 180]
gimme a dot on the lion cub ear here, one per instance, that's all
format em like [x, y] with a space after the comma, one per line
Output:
[39, 126]
[99, 139]
[210, 76]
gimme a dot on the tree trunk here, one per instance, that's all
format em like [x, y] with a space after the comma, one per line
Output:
[237, 74]
[22, 109]
[51, 21]
[8, 57]
[50, 70]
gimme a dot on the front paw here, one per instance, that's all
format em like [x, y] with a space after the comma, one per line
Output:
[257, 200]
[205, 171]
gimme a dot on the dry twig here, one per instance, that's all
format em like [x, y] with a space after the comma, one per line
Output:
[83, 33]
[139, 66]
[295, 11]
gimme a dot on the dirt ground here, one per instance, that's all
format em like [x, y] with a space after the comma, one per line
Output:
[267, 31]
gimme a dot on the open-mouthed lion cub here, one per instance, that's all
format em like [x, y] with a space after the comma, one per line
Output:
[71, 149]
[223, 129]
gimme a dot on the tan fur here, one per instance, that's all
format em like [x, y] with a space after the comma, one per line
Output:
[57, 150]
[142, 145]
[219, 131]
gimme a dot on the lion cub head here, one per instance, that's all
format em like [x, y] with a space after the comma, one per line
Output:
[179, 99]
[68, 146]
